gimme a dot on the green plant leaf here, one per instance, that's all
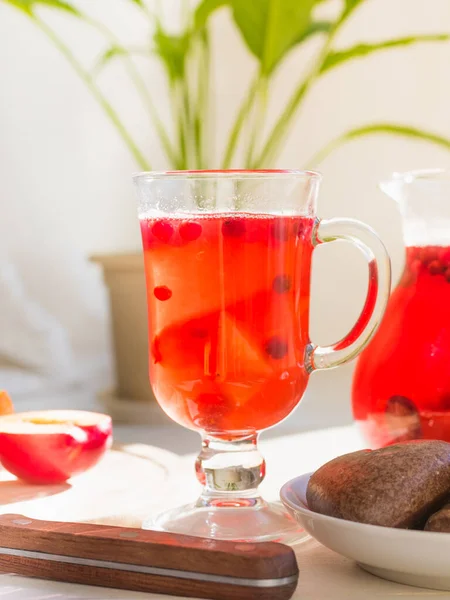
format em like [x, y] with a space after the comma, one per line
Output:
[205, 9]
[359, 50]
[115, 51]
[313, 28]
[172, 50]
[377, 128]
[108, 55]
[350, 6]
[28, 5]
[270, 28]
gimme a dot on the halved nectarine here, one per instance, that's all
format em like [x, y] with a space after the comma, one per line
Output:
[50, 446]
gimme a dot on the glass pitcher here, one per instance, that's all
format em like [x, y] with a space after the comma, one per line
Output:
[401, 385]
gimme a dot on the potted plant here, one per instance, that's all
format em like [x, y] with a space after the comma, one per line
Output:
[270, 30]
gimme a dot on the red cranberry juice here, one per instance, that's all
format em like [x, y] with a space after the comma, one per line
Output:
[228, 301]
[401, 387]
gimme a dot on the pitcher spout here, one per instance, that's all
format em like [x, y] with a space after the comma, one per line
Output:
[423, 199]
[395, 186]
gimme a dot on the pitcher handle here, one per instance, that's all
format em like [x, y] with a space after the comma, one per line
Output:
[362, 236]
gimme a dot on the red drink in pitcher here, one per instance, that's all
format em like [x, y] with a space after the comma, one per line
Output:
[401, 388]
[229, 321]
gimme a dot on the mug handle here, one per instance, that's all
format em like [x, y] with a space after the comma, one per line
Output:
[364, 238]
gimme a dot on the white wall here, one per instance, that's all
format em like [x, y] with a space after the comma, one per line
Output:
[65, 174]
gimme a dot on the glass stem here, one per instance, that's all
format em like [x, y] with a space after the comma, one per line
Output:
[230, 472]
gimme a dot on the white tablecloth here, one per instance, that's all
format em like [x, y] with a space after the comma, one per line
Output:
[323, 574]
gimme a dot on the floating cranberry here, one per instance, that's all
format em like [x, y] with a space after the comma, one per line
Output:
[281, 284]
[162, 230]
[279, 230]
[276, 347]
[190, 231]
[447, 275]
[162, 292]
[428, 254]
[233, 228]
[435, 267]
[402, 419]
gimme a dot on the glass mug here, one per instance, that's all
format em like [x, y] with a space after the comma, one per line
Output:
[227, 261]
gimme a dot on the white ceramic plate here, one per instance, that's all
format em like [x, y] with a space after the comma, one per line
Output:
[419, 558]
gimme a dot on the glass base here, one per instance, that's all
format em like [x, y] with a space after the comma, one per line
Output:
[257, 522]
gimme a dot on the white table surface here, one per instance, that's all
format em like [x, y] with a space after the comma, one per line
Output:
[323, 574]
